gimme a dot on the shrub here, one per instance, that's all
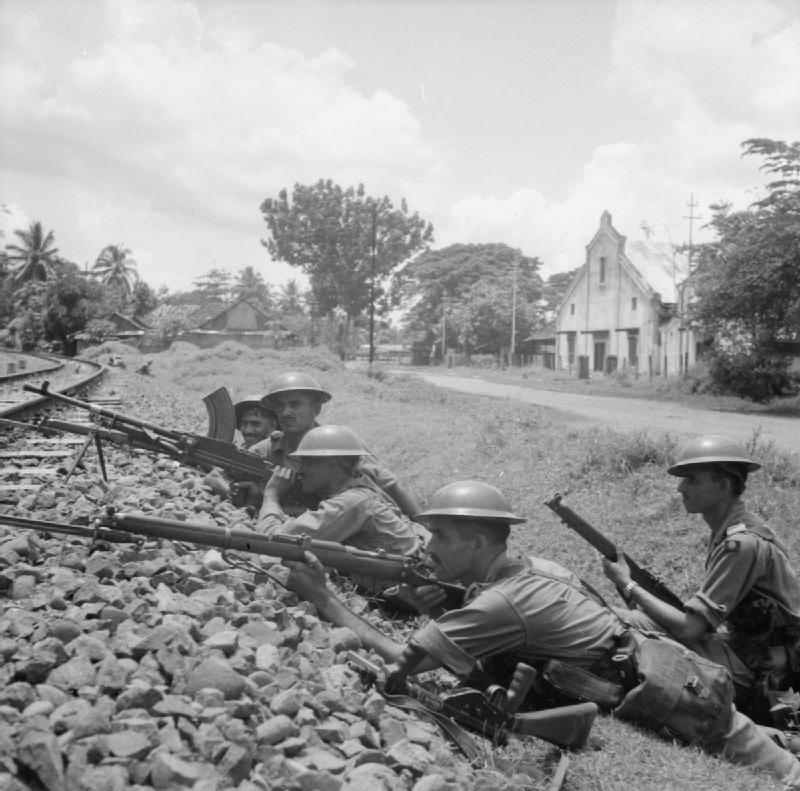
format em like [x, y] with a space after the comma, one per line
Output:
[755, 375]
[610, 453]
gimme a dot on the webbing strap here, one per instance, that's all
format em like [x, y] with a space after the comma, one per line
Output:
[451, 729]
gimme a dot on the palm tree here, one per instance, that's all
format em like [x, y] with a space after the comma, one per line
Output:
[116, 269]
[35, 258]
[290, 299]
[250, 285]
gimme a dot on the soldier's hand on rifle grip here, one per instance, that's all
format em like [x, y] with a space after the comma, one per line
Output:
[428, 599]
[307, 577]
[246, 493]
[397, 673]
[617, 571]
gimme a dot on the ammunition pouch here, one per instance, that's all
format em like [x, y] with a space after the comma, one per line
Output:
[679, 693]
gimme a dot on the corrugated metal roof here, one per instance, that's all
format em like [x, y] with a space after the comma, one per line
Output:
[662, 270]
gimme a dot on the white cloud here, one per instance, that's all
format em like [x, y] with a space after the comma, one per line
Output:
[165, 116]
[708, 76]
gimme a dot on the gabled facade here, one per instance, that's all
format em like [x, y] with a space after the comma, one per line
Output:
[620, 304]
[127, 329]
[240, 321]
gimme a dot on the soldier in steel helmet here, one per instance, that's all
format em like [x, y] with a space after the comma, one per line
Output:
[537, 612]
[352, 509]
[297, 399]
[746, 615]
[255, 422]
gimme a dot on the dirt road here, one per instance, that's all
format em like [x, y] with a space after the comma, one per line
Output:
[633, 413]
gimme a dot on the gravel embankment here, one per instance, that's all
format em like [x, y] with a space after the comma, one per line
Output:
[125, 666]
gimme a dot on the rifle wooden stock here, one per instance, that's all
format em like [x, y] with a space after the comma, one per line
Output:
[350, 560]
[565, 726]
[607, 549]
[192, 450]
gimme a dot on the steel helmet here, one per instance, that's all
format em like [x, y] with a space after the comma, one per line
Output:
[251, 402]
[330, 441]
[472, 499]
[711, 449]
[296, 380]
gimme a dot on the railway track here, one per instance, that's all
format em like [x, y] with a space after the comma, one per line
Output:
[65, 375]
[30, 460]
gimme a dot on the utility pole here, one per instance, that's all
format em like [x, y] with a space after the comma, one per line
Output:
[444, 324]
[691, 217]
[512, 347]
[372, 287]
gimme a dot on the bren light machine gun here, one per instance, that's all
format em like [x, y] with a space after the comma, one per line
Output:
[187, 448]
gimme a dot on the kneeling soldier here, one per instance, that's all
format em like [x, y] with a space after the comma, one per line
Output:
[537, 612]
[746, 615]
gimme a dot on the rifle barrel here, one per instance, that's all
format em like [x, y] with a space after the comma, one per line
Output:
[102, 533]
[381, 565]
[116, 418]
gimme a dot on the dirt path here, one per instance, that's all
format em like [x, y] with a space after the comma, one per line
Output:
[632, 413]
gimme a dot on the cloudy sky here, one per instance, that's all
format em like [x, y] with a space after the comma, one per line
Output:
[163, 125]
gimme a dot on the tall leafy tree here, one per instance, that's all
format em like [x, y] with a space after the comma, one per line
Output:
[748, 280]
[444, 284]
[290, 299]
[251, 285]
[70, 301]
[328, 232]
[556, 286]
[116, 269]
[482, 322]
[143, 299]
[35, 257]
[29, 306]
[214, 284]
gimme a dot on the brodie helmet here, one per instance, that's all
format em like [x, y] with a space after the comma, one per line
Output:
[473, 499]
[713, 449]
[329, 441]
[252, 402]
[296, 380]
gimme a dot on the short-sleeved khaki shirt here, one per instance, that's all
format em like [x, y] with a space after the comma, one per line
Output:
[743, 556]
[359, 515]
[530, 610]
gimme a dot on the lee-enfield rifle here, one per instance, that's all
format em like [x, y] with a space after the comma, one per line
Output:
[119, 527]
[188, 448]
[607, 549]
[492, 713]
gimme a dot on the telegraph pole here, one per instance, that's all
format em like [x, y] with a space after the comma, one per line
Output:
[691, 217]
[444, 324]
[512, 347]
[372, 287]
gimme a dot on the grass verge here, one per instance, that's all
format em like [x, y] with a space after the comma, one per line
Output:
[617, 481]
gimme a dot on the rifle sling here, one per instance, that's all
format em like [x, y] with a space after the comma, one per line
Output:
[451, 729]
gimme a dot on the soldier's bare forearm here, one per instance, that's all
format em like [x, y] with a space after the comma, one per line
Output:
[683, 626]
